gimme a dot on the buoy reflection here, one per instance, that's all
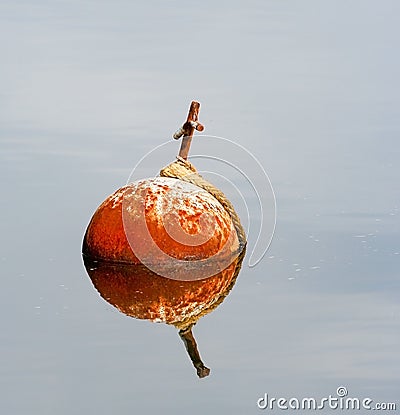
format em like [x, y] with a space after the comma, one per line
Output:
[140, 293]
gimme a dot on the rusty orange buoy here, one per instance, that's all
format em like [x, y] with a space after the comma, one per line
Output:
[167, 249]
[158, 222]
[168, 223]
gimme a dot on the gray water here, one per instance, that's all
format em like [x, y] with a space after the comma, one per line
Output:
[310, 88]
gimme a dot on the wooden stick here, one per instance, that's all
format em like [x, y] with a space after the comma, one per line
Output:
[188, 128]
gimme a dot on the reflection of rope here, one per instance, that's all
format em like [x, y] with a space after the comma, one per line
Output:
[184, 170]
[189, 322]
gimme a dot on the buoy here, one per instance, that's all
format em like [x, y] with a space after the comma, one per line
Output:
[140, 293]
[168, 221]
[167, 249]
[159, 219]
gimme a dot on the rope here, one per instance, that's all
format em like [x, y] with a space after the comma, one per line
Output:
[184, 170]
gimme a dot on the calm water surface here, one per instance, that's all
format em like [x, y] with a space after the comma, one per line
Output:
[311, 88]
